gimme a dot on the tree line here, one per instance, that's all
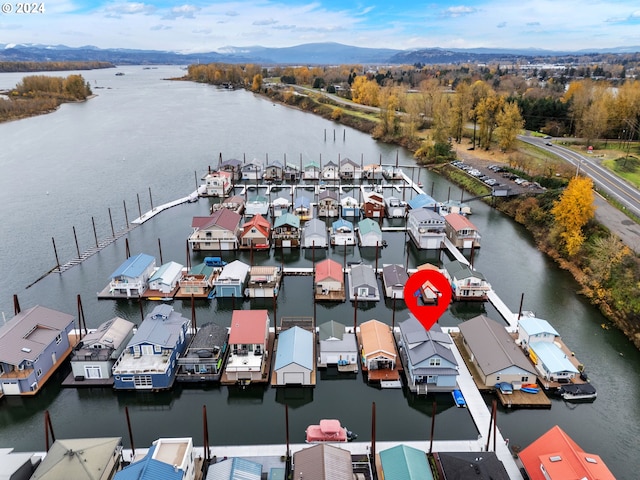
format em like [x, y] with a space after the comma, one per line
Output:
[41, 94]
[52, 66]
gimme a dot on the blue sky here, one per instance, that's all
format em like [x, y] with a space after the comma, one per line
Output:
[199, 26]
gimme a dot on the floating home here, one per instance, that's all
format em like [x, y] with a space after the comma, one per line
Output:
[252, 171]
[423, 200]
[131, 278]
[280, 206]
[219, 231]
[556, 456]
[372, 171]
[328, 205]
[466, 284]
[329, 281]
[203, 359]
[236, 468]
[198, 281]
[302, 208]
[232, 280]
[323, 462]
[405, 463]
[349, 170]
[467, 465]
[311, 171]
[249, 345]
[330, 171]
[258, 206]
[378, 354]
[350, 207]
[455, 206]
[370, 234]
[363, 284]
[294, 364]
[286, 231]
[93, 357]
[430, 365]
[167, 458]
[373, 205]
[494, 353]
[273, 172]
[337, 347]
[395, 207]
[80, 459]
[342, 233]
[314, 234]
[165, 281]
[461, 231]
[264, 282]
[540, 341]
[235, 203]
[394, 278]
[33, 344]
[426, 228]
[217, 184]
[148, 362]
[234, 167]
[256, 234]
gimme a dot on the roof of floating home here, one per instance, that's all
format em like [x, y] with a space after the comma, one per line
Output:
[234, 468]
[426, 215]
[405, 463]
[363, 275]
[30, 332]
[536, 326]
[562, 458]
[232, 162]
[421, 200]
[341, 223]
[224, 218]
[295, 345]
[394, 274]
[331, 329]
[461, 270]
[169, 270]
[235, 270]
[474, 465]
[259, 223]
[329, 269]
[348, 201]
[234, 199]
[248, 327]
[315, 225]
[163, 326]
[281, 201]
[367, 226]
[287, 219]
[78, 459]
[312, 165]
[201, 269]
[328, 194]
[134, 266]
[459, 222]
[112, 333]
[425, 344]
[492, 346]
[301, 202]
[348, 161]
[552, 356]
[323, 462]
[377, 337]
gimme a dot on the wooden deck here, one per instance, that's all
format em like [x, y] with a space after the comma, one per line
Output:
[266, 366]
[332, 296]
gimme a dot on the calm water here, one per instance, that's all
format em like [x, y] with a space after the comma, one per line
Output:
[143, 133]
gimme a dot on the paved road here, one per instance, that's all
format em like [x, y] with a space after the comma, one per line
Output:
[628, 196]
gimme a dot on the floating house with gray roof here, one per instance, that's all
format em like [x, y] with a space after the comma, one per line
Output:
[314, 234]
[232, 280]
[149, 361]
[203, 359]
[337, 346]
[394, 278]
[494, 352]
[322, 462]
[131, 278]
[466, 284]
[430, 365]
[426, 228]
[363, 283]
[33, 344]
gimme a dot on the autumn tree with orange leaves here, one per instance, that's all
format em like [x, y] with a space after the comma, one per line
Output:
[572, 212]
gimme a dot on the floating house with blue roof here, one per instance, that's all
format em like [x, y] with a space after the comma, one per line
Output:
[149, 361]
[165, 279]
[132, 277]
[405, 463]
[424, 201]
[286, 231]
[430, 365]
[294, 358]
[167, 459]
[235, 468]
[342, 233]
[302, 208]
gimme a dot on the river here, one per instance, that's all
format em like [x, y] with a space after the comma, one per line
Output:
[145, 139]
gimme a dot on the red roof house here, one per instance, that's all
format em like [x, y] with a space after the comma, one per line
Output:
[255, 233]
[248, 359]
[461, 231]
[562, 459]
[218, 231]
[329, 280]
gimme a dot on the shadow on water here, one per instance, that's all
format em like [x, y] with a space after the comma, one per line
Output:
[249, 395]
[294, 397]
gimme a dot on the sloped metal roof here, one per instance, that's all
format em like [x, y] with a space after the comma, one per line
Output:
[134, 266]
[405, 463]
[295, 345]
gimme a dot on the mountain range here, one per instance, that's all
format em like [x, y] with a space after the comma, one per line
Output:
[307, 54]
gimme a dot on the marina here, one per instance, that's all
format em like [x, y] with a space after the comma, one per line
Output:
[406, 420]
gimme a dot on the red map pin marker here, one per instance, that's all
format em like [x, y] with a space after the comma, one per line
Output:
[427, 293]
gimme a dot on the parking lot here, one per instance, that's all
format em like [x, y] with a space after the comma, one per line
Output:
[496, 176]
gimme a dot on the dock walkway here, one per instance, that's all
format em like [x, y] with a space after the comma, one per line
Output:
[193, 196]
[510, 317]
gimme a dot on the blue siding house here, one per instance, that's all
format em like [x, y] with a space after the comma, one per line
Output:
[149, 361]
[33, 344]
[430, 365]
[294, 357]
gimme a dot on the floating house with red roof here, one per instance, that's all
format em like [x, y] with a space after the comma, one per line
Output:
[555, 456]
[256, 233]
[461, 231]
[249, 358]
[329, 281]
[218, 231]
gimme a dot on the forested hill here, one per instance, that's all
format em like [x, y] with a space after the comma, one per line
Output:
[52, 66]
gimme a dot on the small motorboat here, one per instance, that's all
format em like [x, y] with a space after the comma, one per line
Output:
[459, 398]
[505, 388]
[329, 430]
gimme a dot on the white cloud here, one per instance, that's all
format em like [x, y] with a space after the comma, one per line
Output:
[459, 11]
[184, 11]
[264, 23]
[129, 8]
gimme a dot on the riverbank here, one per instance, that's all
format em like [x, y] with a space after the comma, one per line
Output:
[616, 305]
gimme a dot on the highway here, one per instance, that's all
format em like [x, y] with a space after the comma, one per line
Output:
[612, 185]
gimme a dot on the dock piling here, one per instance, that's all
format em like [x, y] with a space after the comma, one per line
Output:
[55, 251]
[113, 232]
[75, 237]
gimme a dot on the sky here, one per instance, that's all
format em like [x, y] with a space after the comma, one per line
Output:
[193, 26]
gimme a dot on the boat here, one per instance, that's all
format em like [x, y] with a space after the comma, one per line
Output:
[212, 294]
[578, 392]
[505, 388]
[459, 399]
[529, 390]
[329, 430]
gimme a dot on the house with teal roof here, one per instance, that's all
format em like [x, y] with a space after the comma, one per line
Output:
[369, 233]
[294, 364]
[286, 231]
[131, 278]
[405, 463]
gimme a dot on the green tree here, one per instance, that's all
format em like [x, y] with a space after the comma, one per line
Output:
[572, 212]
